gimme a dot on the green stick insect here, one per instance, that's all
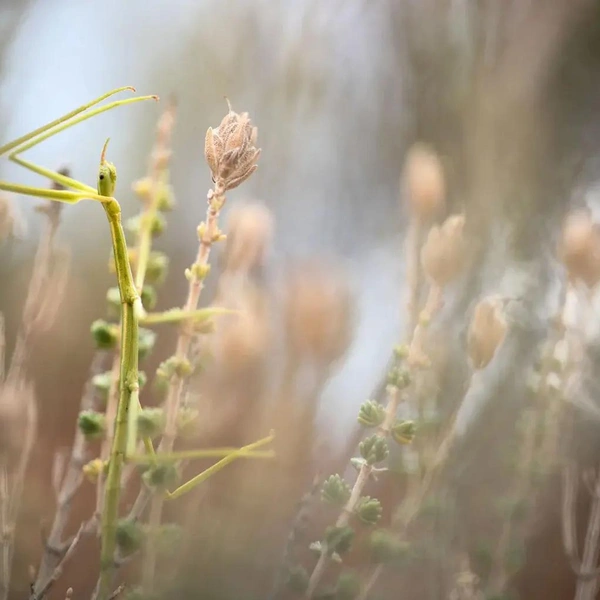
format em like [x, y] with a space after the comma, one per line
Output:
[132, 313]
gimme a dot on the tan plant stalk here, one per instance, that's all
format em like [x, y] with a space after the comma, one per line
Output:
[65, 489]
[45, 291]
[232, 156]
[485, 336]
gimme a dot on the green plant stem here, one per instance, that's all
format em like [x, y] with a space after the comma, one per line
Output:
[129, 386]
[355, 495]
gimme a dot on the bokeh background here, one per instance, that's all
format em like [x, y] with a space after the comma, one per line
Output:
[506, 91]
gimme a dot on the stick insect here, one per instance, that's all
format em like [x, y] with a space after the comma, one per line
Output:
[132, 314]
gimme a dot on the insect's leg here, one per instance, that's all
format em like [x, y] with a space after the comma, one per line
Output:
[59, 178]
[198, 479]
[67, 196]
[25, 138]
[65, 123]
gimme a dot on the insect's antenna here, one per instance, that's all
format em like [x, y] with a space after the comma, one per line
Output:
[103, 155]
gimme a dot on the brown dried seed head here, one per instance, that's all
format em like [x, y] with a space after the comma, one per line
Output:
[241, 340]
[444, 253]
[230, 150]
[317, 313]
[486, 331]
[424, 182]
[249, 232]
[580, 248]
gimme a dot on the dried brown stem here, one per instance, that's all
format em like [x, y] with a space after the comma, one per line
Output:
[69, 485]
[208, 235]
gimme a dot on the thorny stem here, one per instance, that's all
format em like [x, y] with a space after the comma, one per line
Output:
[209, 234]
[355, 495]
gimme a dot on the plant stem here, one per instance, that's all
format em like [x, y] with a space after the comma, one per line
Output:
[355, 494]
[128, 386]
[208, 234]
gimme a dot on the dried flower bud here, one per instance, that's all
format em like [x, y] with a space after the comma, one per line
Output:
[241, 340]
[249, 232]
[580, 248]
[317, 313]
[230, 150]
[486, 331]
[443, 254]
[424, 182]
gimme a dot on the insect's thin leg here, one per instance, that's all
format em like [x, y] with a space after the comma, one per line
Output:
[63, 124]
[171, 457]
[63, 180]
[195, 481]
[67, 196]
[25, 138]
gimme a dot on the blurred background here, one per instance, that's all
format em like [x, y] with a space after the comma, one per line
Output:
[505, 91]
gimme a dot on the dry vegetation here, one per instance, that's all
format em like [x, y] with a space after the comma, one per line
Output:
[485, 421]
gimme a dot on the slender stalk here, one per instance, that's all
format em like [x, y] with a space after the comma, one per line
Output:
[208, 233]
[355, 495]
[129, 384]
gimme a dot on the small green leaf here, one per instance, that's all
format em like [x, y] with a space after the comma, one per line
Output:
[338, 539]
[151, 422]
[348, 586]
[297, 579]
[92, 424]
[335, 491]
[403, 432]
[371, 414]
[105, 335]
[130, 536]
[374, 449]
[146, 340]
[369, 510]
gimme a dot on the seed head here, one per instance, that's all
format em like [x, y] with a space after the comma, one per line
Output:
[240, 341]
[444, 252]
[317, 313]
[580, 248]
[424, 182]
[486, 331]
[230, 150]
[249, 232]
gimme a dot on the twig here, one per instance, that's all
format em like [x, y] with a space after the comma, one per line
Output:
[355, 495]
[69, 486]
[58, 570]
[216, 200]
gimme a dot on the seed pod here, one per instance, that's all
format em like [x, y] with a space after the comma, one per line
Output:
[249, 231]
[317, 314]
[486, 332]
[424, 182]
[230, 150]
[444, 252]
[579, 248]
